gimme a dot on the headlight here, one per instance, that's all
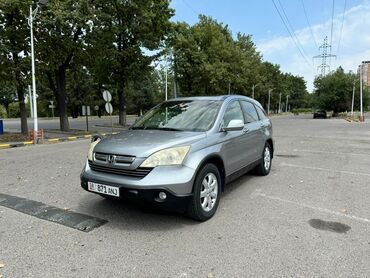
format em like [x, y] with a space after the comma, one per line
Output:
[91, 150]
[172, 156]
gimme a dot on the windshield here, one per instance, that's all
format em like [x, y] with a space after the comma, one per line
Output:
[184, 115]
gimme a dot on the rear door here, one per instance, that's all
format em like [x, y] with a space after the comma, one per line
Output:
[252, 130]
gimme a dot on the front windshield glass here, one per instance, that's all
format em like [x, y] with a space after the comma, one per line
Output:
[182, 115]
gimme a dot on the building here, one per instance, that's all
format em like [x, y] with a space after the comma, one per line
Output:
[366, 73]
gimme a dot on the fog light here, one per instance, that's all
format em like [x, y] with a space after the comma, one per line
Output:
[162, 196]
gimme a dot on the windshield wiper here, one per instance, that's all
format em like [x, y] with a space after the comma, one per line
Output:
[170, 129]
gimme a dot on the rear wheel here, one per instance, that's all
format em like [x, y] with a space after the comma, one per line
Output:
[206, 195]
[264, 167]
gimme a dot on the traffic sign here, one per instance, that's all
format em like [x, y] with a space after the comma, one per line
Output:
[109, 108]
[107, 96]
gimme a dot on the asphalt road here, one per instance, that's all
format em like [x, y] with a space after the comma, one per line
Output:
[274, 226]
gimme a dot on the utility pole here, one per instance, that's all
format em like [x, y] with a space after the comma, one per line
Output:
[32, 16]
[166, 89]
[268, 105]
[324, 56]
[361, 81]
[353, 96]
[30, 99]
[229, 88]
[253, 87]
[286, 104]
[279, 103]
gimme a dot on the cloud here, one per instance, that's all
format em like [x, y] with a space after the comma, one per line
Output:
[351, 49]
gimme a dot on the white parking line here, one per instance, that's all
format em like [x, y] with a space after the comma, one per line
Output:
[258, 193]
[328, 152]
[324, 169]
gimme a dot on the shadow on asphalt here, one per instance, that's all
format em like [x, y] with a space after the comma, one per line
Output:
[131, 216]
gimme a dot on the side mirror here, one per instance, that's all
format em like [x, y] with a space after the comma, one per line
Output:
[234, 125]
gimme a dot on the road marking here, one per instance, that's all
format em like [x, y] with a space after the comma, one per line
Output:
[72, 138]
[328, 152]
[4, 145]
[258, 193]
[88, 136]
[53, 140]
[324, 169]
[67, 218]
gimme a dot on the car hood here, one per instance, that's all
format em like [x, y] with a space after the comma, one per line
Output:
[142, 143]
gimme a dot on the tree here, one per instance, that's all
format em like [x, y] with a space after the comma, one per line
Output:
[60, 33]
[14, 52]
[334, 91]
[125, 29]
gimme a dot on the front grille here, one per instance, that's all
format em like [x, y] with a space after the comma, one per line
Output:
[118, 159]
[137, 173]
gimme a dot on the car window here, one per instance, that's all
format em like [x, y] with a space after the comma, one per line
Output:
[249, 112]
[261, 113]
[233, 112]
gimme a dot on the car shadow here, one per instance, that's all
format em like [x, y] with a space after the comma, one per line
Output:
[131, 216]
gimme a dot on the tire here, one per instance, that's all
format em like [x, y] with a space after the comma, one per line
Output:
[263, 169]
[203, 208]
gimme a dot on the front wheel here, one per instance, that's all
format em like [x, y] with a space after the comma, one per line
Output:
[206, 195]
[264, 167]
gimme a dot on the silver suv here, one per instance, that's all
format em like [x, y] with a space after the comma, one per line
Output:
[181, 153]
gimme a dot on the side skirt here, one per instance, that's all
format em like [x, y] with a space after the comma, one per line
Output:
[241, 172]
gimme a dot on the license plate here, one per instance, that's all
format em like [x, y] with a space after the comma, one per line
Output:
[103, 189]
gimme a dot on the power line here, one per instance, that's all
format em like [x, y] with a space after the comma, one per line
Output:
[291, 27]
[290, 33]
[332, 24]
[341, 27]
[190, 7]
[309, 24]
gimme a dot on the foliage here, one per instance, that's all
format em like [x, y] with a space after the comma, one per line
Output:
[207, 60]
[14, 57]
[334, 91]
[3, 113]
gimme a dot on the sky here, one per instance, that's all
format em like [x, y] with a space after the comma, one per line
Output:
[350, 38]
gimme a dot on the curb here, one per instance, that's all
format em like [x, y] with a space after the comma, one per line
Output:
[52, 140]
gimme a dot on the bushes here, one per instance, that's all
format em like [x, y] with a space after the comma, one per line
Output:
[301, 111]
[3, 113]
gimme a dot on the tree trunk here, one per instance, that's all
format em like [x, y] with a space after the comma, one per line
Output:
[22, 109]
[122, 102]
[61, 96]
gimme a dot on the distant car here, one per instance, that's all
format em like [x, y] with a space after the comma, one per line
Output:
[182, 153]
[320, 114]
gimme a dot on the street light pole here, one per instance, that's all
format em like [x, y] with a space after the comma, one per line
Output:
[361, 111]
[279, 103]
[353, 96]
[166, 75]
[32, 16]
[254, 86]
[268, 105]
[286, 105]
[35, 120]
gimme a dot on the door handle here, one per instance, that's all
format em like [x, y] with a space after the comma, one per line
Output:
[245, 130]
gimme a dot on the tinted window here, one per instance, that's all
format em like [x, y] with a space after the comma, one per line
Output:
[249, 112]
[261, 113]
[233, 112]
[189, 115]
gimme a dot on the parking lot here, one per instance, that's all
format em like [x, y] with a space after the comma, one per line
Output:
[310, 217]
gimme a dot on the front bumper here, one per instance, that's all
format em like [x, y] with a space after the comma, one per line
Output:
[175, 181]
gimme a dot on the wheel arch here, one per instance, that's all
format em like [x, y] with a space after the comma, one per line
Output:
[271, 143]
[218, 162]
